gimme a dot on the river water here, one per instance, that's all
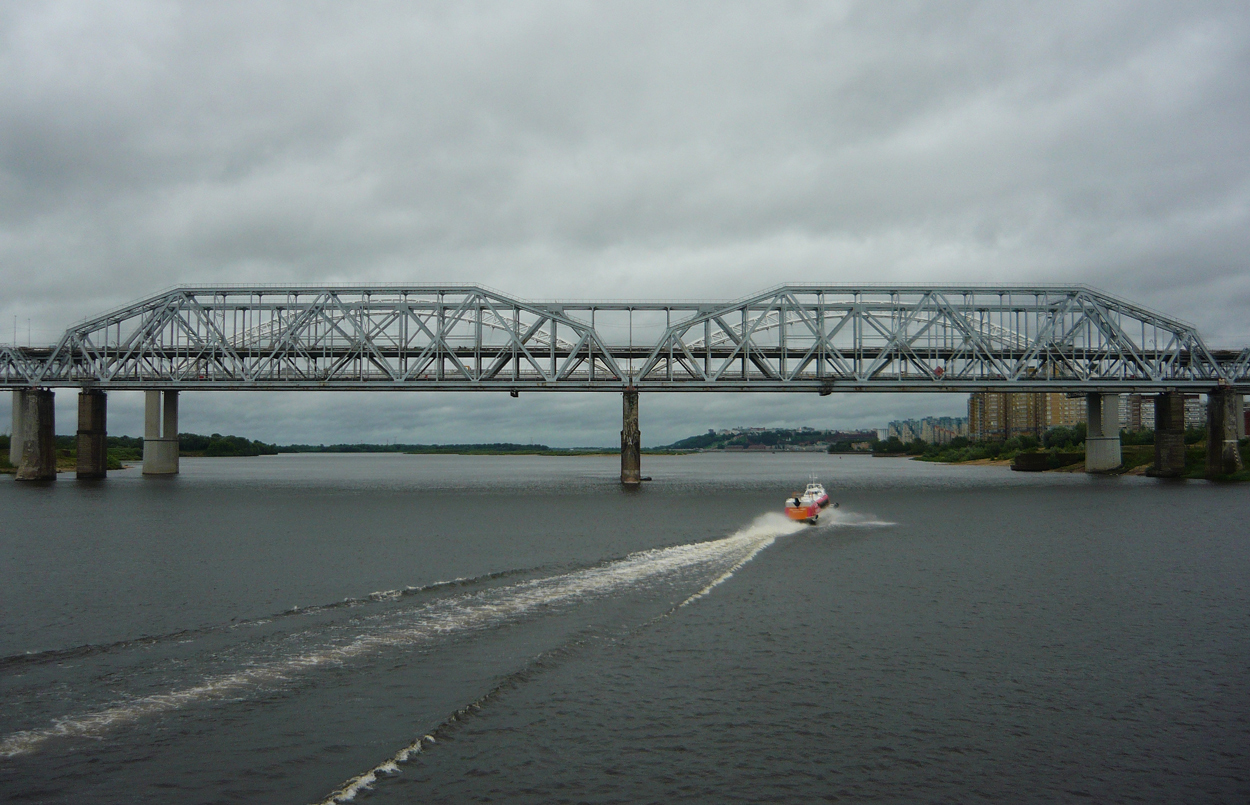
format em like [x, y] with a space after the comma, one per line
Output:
[395, 629]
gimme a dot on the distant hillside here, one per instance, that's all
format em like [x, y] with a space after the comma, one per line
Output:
[772, 437]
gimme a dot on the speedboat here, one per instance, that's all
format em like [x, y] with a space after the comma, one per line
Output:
[801, 507]
[806, 507]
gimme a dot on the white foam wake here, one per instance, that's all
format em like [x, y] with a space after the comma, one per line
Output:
[363, 782]
[768, 527]
[718, 559]
[736, 550]
[841, 518]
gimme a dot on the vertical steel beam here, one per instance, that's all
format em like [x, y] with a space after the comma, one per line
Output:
[477, 339]
[441, 331]
[707, 347]
[781, 338]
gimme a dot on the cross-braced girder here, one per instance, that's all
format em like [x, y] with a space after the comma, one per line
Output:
[800, 338]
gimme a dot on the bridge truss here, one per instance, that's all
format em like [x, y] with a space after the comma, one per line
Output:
[792, 338]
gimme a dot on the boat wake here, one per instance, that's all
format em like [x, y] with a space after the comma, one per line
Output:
[52, 656]
[740, 548]
[841, 518]
[701, 566]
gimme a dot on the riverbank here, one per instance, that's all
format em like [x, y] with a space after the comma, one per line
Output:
[64, 463]
[1136, 459]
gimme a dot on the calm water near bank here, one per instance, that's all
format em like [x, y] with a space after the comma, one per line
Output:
[306, 628]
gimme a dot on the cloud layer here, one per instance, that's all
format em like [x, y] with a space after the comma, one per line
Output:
[569, 150]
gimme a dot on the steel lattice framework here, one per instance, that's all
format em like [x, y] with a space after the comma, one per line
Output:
[792, 338]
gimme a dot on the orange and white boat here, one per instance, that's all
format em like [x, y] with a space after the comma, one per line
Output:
[800, 507]
[806, 507]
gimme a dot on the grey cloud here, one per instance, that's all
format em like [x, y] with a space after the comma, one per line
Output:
[570, 150]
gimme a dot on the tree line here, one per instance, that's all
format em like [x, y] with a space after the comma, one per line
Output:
[1058, 439]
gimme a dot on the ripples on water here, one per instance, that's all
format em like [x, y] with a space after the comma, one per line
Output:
[949, 633]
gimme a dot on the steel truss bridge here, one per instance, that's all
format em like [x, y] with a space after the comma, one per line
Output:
[811, 338]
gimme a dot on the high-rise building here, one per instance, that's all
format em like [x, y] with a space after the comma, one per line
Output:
[905, 430]
[931, 429]
[941, 429]
[1062, 410]
[988, 416]
[995, 416]
[1195, 412]
[1138, 412]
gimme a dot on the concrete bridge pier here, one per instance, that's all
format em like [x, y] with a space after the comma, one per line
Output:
[1102, 439]
[631, 440]
[1169, 435]
[38, 429]
[92, 434]
[1224, 428]
[160, 433]
[17, 438]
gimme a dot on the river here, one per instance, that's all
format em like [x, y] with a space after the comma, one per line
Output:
[394, 629]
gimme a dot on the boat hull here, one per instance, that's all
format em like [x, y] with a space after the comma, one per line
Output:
[808, 512]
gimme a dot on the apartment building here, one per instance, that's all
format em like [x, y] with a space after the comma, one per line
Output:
[1002, 415]
[931, 429]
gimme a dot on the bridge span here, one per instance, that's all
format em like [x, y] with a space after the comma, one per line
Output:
[793, 338]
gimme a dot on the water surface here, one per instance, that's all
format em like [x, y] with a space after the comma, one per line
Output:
[449, 629]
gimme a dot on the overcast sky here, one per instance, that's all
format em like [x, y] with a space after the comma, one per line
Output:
[614, 150]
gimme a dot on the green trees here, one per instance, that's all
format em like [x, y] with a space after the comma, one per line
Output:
[218, 445]
[962, 449]
[890, 445]
[784, 438]
[1065, 438]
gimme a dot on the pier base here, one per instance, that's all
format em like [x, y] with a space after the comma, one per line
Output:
[38, 461]
[631, 440]
[92, 434]
[1102, 440]
[17, 438]
[1169, 436]
[160, 433]
[1224, 426]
